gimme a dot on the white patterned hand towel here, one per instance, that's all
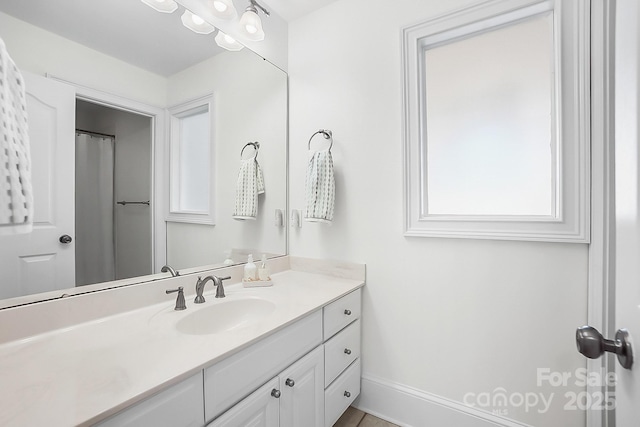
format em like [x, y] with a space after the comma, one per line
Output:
[320, 187]
[16, 193]
[250, 184]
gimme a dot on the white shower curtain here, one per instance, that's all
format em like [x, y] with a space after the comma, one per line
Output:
[95, 250]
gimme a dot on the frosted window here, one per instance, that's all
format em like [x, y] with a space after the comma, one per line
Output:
[490, 144]
[194, 162]
[191, 157]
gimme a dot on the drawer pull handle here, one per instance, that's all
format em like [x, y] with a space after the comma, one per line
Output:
[347, 312]
[290, 382]
[347, 394]
[275, 393]
[347, 351]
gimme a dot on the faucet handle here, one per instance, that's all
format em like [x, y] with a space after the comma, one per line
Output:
[180, 303]
[219, 287]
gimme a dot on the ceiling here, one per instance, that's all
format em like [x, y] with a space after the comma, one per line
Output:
[135, 33]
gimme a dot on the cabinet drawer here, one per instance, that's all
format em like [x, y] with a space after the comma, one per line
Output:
[340, 313]
[340, 351]
[230, 380]
[178, 406]
[341, 394]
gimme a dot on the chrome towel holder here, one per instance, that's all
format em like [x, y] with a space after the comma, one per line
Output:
[255, 145]
[326, 133]
[124, 203]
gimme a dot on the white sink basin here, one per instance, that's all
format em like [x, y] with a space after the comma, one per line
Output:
[225, 316]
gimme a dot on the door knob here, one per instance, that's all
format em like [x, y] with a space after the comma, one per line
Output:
[65, 238]
[592, 344]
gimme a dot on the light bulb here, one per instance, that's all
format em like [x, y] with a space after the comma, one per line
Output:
[220, 7]
[251, 25]
[223, 9]
[227, 42]
[197, 20]
[196, 23]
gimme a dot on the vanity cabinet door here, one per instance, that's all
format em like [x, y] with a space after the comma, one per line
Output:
[260, 409]
[228, 381]
[302, 387]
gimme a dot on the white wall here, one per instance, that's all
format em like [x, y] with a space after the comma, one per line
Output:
[41, 52]
[132, 182]
[250, 104]
[445, 317]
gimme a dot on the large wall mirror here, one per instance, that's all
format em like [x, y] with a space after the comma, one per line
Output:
[135, 76]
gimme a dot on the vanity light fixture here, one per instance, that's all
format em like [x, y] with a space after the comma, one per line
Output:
[196, 23]
[223, 9]
[164, 6]
[250, 23]
[227, 42]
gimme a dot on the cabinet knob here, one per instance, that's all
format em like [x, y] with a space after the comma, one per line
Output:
[347, 394]
[347, 351]
[275, 393]
[347, 312]
[290, 382]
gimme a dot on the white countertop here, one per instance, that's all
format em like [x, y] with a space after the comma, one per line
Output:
[82, 374]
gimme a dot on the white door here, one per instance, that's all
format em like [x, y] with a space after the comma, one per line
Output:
[260, 409]
[627, 196]
[626, 250]
[39, 261]
[302, 386]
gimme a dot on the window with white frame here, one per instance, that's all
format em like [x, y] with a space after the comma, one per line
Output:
[497, 122]
[191, 162]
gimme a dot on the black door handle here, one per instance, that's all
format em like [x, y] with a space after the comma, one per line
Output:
[65, 238]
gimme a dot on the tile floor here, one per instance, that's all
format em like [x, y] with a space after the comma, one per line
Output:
[356, 418]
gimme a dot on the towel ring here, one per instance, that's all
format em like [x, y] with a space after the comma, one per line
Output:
[327, 135]
[255, 145]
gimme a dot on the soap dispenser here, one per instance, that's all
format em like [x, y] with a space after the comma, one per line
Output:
[250, 269]
[263, 270]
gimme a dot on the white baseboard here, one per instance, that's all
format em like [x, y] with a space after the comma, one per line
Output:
[408, 407]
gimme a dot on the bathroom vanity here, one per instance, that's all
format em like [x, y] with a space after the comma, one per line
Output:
[288, 355]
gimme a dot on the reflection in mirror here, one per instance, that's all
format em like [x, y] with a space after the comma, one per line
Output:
[250, 103]
[150, 59]
[112, 185]
[192, 162]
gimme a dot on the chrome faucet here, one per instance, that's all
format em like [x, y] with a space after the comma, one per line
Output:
[217, 282]
[168, 268]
